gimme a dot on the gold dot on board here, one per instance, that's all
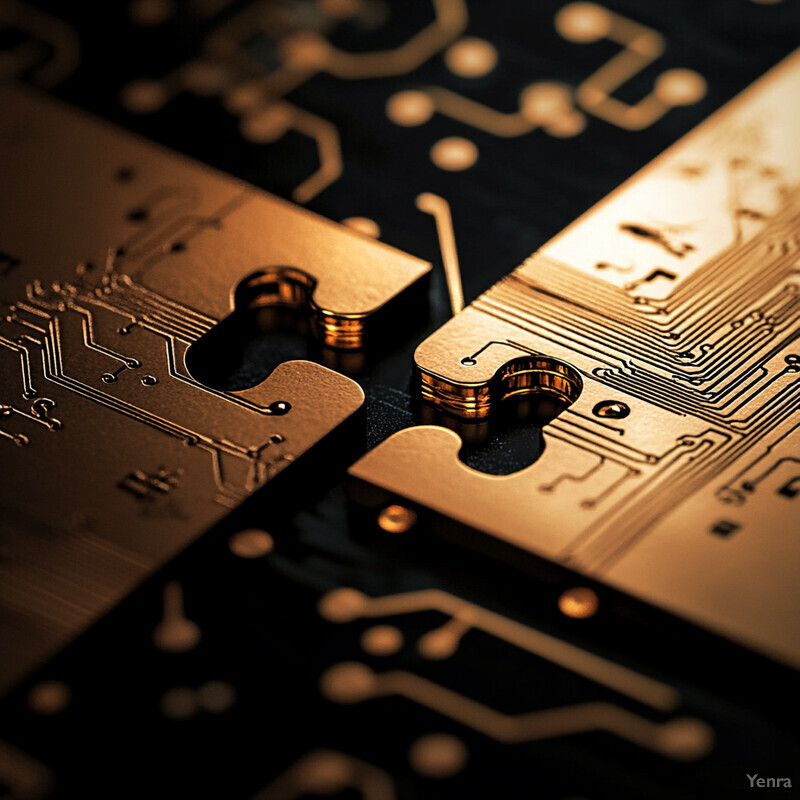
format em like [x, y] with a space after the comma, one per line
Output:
[251, 543]
[580, 602]
[546, 102]
[410, 108]
[454, 153]
[439, 644]
[176, 635]
[381, 640]
[397, 519]
[349, 682]
[471, 57]
[363, 225]
[583, 22]
[49, 697]
[267, 125]
[342, 605]
[438, 755]
[680, 87]
[144, 96]
[179, 703]
[686, 739]
[150, 13]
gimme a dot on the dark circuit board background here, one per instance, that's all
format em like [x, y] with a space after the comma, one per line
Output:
[239, 712]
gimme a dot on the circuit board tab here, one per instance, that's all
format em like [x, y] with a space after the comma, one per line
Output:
[117, 258]
[660, 329]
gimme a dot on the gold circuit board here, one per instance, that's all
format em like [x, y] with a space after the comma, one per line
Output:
[102, 304]
[657, 338]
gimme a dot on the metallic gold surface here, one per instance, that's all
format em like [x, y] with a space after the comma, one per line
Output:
[118, 257]
[674, 472]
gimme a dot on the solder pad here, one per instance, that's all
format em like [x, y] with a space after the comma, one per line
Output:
[131, 457]
[665, 318]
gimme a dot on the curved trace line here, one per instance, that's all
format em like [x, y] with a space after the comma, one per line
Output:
[613, 676]
[439, 209]
[532, 726]
[478, 115]
[451, 21]
[326, 136]
[66, 48]
[299, 779]
[681, 739]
